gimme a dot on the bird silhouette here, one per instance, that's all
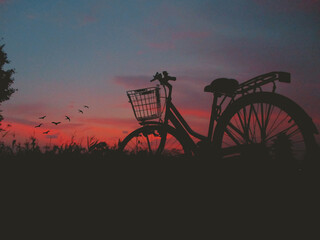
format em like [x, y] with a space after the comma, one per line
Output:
[46, 132]
[5, 133]
[39, 125]
[9, 125]
[42, 117]
[67, 118]
[86, 106]
[56, 123]
[80, 111]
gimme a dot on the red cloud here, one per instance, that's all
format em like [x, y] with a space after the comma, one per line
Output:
[196, 113]
[13, 120]
[28, 109]
[119, 122]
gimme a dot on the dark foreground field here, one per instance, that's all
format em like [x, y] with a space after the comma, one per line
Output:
[148, 198]
[116, 175]
[145, 197]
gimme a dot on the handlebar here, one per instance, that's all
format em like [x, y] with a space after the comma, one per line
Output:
[163, 79]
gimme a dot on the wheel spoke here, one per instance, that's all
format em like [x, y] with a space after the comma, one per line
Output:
[243, 125]
[263, 129]
[149, 146]
[282, 132]
[265, 121]
[269, 113]
[232, 137]
[257, 118]
[237, 131]
[147, 141]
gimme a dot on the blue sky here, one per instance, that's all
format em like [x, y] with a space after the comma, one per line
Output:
[70, 53]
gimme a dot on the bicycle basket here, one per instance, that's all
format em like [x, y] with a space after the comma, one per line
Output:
[145, 103]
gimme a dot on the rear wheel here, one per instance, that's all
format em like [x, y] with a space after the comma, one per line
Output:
[268, 124]
[146, 140]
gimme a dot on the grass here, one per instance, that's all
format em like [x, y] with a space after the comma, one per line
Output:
[97, 176]
[31, 149]
[72, 154]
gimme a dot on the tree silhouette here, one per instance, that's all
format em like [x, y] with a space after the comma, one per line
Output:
[6, 79]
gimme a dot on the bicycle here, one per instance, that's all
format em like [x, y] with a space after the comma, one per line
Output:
[252, 119]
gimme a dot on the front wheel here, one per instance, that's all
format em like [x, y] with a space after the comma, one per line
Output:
[145, 141]
[268, 124]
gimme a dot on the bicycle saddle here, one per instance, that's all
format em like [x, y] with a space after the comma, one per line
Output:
[223, 86]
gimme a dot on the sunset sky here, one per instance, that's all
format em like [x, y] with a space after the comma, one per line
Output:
[89, 52]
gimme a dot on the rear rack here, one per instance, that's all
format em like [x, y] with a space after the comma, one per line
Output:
[256, 83]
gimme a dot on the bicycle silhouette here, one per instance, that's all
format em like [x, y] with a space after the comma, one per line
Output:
[253, 119]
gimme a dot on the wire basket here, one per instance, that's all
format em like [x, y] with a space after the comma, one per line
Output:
[145, 103]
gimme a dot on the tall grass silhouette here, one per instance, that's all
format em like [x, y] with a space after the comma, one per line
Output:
[31, 149]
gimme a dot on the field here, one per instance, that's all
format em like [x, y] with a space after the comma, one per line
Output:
[99, 156]
[72, 186]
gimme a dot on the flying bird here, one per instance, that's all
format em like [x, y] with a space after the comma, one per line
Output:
[67, 118]
[56, 123]
[5, 133]
[9, 125]
[42, 117]
[80, 111]
[86, 106]
[46, 132]
[39, 125]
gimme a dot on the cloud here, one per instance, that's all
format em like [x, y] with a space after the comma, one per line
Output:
[87, 19]
[196, 113]
[177, 38]
[119, 122]
[31, 16]
[245, 57]
[291, 5]
[52, 136]
[133, 82]
[161, 45]
[304, 94]
[93, 12]
[109, 134]
[65, 125]
[14, 120]
[27, 109]
[193, 35]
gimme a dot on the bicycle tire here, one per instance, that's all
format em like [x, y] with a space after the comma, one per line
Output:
[296, 135]
[175, 145]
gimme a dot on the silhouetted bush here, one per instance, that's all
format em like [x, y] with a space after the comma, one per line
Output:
[6, 79]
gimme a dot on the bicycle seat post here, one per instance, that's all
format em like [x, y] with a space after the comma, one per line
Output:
[213, 116]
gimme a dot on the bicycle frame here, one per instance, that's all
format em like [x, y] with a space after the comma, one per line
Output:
[173, 115]
[179, 122]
